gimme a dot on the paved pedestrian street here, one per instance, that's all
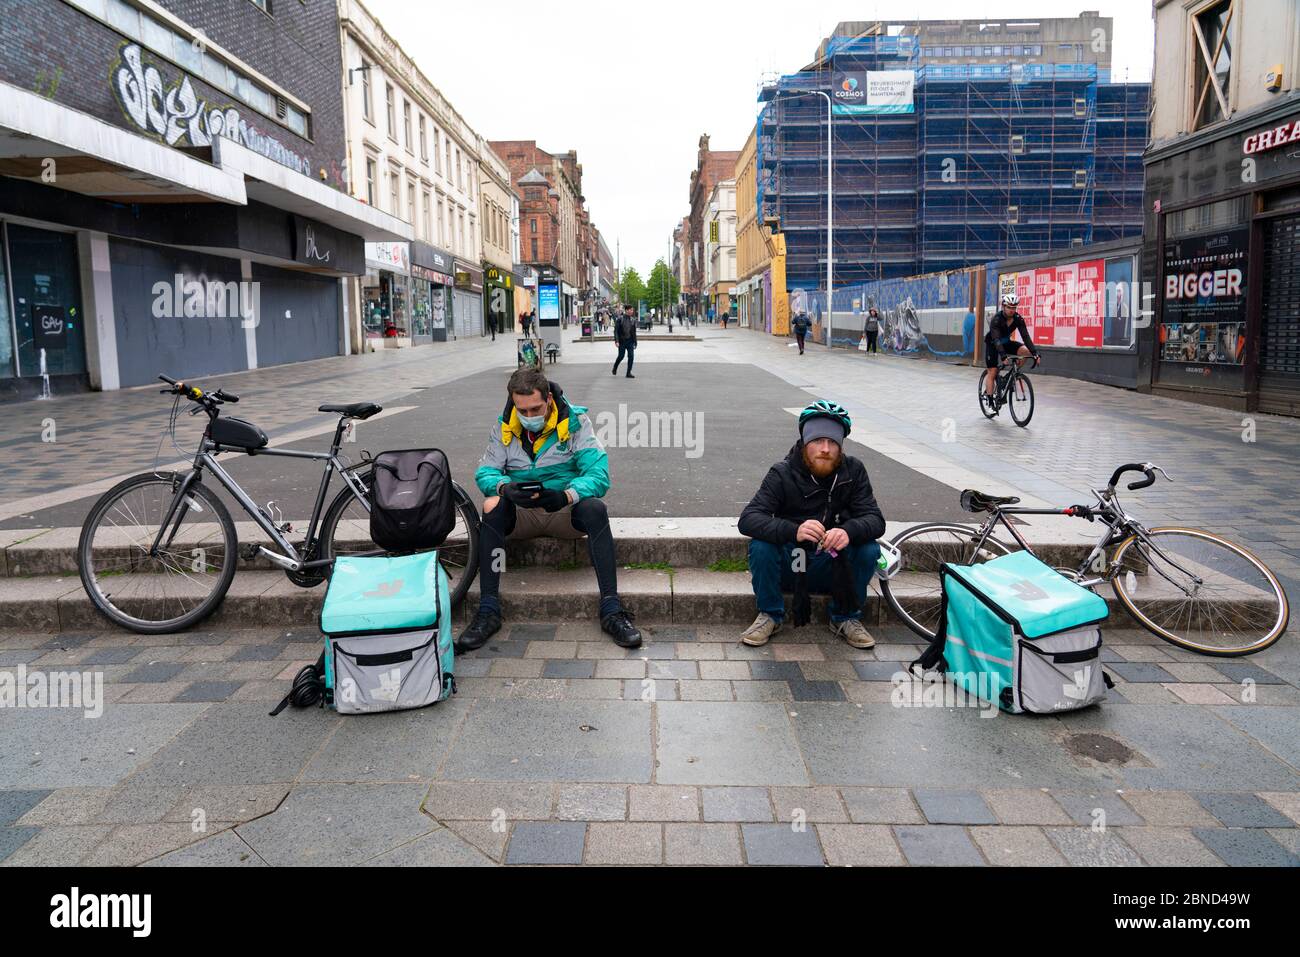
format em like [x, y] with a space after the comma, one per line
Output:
[559, 747]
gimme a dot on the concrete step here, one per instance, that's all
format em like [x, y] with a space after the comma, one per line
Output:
[680, 542]
[686, 595]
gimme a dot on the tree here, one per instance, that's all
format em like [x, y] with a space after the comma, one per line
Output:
[662, 288]
[631, 290]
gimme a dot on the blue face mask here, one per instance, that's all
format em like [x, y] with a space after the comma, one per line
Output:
[531, 423]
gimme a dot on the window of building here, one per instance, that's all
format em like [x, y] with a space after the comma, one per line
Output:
[534, 244]
[428, 216]
[424, 143]
[437, 146]
[394, 176]
[392, 113]
[473, 247]
[441, 229]
[406, 127]
[460, 231]
[447, 144]
[367, 108]
[460, 172]
[1211, 63]
[410, 201]
[532, 224]
[371, 186]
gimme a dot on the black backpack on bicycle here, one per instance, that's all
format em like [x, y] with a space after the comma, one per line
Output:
[412, 500]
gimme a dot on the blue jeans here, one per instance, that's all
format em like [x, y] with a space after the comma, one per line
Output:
[769, 567]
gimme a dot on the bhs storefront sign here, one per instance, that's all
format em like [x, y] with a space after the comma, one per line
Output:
[178, 116]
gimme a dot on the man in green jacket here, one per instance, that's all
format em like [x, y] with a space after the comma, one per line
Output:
[543, 474]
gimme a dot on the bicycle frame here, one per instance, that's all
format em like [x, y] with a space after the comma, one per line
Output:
[290, 559]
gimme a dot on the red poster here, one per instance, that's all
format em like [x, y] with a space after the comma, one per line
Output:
[1090, 308]
[1025, 291]
[1045, 306]
[1065, 321]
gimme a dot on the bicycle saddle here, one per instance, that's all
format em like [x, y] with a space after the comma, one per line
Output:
[973, 501]
[357, 410]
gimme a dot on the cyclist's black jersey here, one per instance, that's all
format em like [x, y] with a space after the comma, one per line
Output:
[1000, 329]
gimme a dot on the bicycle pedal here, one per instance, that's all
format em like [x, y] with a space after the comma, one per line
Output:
[286, 527]
[248, 551]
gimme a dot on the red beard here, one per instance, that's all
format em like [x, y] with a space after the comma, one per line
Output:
[821, 466]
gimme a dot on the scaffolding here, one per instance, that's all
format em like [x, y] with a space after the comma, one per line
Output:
[996, 161]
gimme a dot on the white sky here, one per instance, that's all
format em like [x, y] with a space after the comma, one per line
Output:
[631, 86]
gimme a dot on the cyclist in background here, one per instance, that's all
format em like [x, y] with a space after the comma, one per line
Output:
[998, 341]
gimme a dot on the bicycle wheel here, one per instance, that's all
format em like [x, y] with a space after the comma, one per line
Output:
[986, 401]
[914, 594]
[179, 586]
[1199, 591]
[346, 531]
[1020, 397]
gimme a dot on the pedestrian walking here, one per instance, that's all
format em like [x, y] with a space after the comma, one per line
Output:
[625, 336]
[871, 329]
[801, 325]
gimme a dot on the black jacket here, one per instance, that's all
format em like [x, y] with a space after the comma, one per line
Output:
[1000, 329]
[625, 329]
[789, 496]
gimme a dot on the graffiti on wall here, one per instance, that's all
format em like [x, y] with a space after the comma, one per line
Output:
[177, 116]
[900, 327]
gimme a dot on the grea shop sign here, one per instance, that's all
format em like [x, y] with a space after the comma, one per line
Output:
[1287, 133]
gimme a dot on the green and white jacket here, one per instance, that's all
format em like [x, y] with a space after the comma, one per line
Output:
[567, 455]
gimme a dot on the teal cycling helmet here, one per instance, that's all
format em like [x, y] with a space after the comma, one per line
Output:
[821, 409]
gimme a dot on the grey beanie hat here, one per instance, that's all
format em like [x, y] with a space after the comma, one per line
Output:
[823, 427]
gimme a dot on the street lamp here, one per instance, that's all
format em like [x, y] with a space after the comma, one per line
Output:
[830, 207]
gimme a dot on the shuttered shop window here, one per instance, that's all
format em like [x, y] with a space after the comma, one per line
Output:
[1280, 346]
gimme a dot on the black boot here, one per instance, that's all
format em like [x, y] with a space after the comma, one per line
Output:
[484, 626]
[619, 626]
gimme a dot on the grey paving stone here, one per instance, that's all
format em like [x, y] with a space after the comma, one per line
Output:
[664, 689]
[13, 837]
[860, 845]
[569, 669]
[440, 848]
[1239, 671]
[1140, 671]
[552, 842]
[338, 824]
[878, 670]
[1278, 729]
[819, 805]
[128, 845]
[727, 743]
[486, 836]
[1025, 806]
[591, 802]
[467, 667]
[673, 669]
[762, 690]
[1288, 802]
[221, 850]
[1241, 810]
[232, 741]
[661, 633]
[1084, 847]
[155, 672]
[109, 656]
[1246, 848]
[475, 801]
[940, 845]
[657, 802]
[624, 843]
[391, 746]
[881, 806]
[499, 649]
[880, 745]
[1190, 748]
[654, 651]
[133, 802]
[15, 803]
[781, 844]
[209, 691]
[521, 740]
[1169, 809]
[736, 804]
[702, 844]
[816, 691]
[1083, 806]
[257, 653]
[1169, 847]
[704, 690]
[227, 803]
[58, 846]
[532, 632]
[775, 671]
[1019, 846]
[57, 748]
[942, 806]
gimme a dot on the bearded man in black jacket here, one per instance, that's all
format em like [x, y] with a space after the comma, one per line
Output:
[813, 526]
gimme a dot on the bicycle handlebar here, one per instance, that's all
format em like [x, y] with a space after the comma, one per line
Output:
[195, 394]
[1146, 468]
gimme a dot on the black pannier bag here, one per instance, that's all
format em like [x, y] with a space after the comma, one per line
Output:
[411, 500]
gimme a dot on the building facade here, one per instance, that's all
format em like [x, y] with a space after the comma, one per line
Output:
[1222, 236]
[720, 249]
[711, 168]
[495, 212]
[172, 193]
[413, 156]
[955, 143]
[762, 300]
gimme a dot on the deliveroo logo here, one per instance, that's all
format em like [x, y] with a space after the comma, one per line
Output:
[1082, 682]
[385, 589]
[1027, 591]
[390, 683]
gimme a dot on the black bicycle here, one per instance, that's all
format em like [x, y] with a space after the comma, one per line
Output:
[1011, 388]
[158, 551]
[1190, 587]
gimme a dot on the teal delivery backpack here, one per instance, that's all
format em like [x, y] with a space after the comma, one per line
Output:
[1018, 633]
[388, 646]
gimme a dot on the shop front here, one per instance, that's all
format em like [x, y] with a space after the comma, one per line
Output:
[432, 282]
[386, 293]
[499, 299]
[467, 307]
[1223, 229]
